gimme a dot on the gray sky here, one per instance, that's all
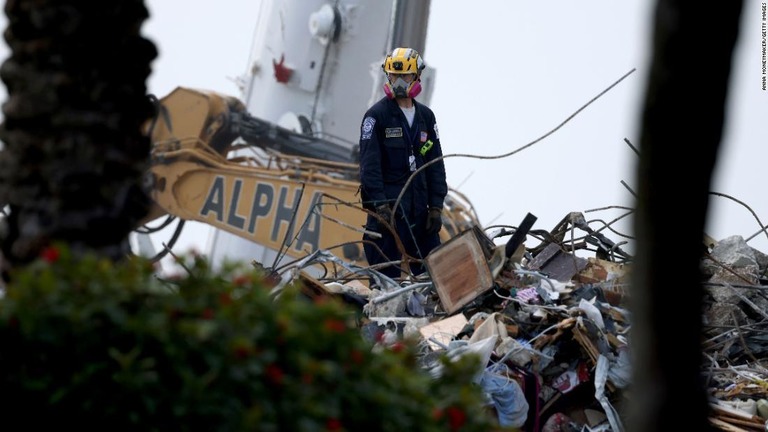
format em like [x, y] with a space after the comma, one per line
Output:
[507, 73]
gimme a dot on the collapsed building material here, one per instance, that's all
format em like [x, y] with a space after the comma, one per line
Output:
[560, 328]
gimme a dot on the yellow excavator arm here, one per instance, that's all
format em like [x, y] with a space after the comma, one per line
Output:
[214, 163]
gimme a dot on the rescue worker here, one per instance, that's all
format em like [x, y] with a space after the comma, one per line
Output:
[398, 136]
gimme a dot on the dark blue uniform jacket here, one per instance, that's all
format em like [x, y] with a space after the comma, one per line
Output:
[386, 145]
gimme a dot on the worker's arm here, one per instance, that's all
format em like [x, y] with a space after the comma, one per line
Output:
[437, 187]
[371, 177]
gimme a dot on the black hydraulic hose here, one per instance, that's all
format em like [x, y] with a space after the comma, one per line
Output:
[167, 248]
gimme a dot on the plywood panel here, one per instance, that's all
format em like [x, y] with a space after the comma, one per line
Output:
[459, 271]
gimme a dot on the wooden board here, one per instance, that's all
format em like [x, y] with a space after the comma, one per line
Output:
[459, 270]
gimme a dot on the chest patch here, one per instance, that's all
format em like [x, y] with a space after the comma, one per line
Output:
[396, 132]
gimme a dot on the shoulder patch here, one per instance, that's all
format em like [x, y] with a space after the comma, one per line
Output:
[367, 131]
[437, 133]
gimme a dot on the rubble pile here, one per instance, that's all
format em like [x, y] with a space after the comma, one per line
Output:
[736, 332]
[553, 326]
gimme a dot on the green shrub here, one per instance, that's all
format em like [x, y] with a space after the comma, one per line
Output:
[90, 344]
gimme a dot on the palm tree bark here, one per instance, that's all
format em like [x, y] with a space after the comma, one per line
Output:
[683, 118]
[74, 152]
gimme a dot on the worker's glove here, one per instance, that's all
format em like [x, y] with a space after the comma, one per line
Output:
[434, 220]
[384, 212]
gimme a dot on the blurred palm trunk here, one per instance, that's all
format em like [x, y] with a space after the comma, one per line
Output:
[684, 112]
[74, 153]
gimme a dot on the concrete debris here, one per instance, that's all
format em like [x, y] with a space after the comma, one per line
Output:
[559, 328]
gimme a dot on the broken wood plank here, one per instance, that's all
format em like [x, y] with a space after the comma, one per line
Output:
[726, 427]
[440, 333]
[733, 412]
[312, 288]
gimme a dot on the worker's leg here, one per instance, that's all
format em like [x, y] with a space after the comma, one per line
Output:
[382, 250]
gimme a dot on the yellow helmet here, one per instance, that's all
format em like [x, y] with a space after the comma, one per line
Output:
[403, 61]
